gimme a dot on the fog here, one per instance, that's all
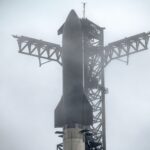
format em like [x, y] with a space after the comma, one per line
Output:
[29, 93]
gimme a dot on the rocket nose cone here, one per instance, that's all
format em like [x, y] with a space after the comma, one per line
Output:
[72, 27]
[72, 15]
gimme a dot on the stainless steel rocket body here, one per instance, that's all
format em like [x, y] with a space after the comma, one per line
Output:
[73, 139]
[73, 107]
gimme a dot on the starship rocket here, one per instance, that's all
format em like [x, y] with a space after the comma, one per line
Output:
[74, 107]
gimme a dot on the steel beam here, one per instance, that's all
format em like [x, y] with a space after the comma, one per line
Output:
[40, 49]
[126, 47]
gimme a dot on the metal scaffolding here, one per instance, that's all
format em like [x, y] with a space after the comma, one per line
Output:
[96, 58]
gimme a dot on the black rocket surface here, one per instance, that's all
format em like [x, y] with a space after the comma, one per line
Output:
[74, 107]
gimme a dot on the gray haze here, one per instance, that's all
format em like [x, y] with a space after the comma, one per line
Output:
[29, 94]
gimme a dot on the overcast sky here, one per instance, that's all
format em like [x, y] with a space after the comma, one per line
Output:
[29, 94]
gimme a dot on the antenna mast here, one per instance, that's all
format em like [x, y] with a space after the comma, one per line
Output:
[84, 4]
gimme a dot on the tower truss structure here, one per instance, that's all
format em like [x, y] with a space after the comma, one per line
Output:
[96, 57]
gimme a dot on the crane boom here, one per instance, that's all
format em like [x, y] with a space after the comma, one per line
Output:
[38, 48]
[126, 47]
[52, 52]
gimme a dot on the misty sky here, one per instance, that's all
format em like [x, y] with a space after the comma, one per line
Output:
[29, 94]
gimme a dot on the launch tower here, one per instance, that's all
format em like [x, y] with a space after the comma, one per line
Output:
[83, 57]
